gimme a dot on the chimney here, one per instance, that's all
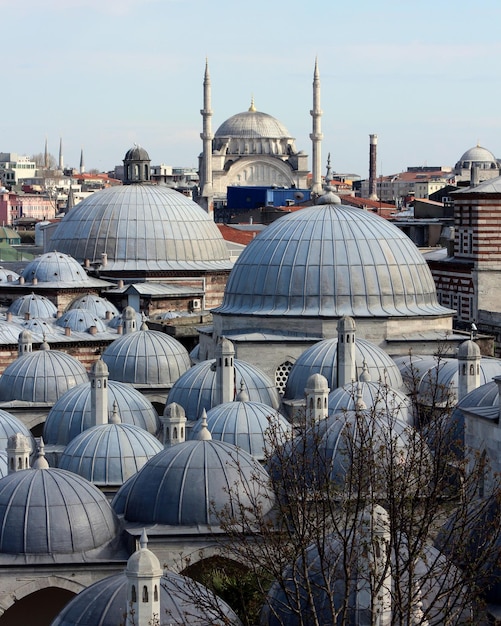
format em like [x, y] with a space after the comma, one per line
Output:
[120, 329]
[67, 331]
[21, 280]
[109, 315]
[34, 281]
[93, 330]
[474, 176]
[87, 263]
[372, 167]
[104, 259]
[9, 278]
[9, 316]
[27, 316]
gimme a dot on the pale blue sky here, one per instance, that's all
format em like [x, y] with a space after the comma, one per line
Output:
[104, 74]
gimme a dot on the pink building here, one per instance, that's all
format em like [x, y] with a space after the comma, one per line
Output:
[14, 206]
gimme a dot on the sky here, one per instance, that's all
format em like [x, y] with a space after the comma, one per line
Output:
[105, 74]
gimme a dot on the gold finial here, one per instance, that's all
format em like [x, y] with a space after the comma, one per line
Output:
[252, 106]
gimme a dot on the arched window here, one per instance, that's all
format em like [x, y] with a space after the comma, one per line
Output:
[19, 463]
[133, 596]
[311, 403]
[155, 594]
[175, 433]
[145, 593]
[319, 403]
[472, 370]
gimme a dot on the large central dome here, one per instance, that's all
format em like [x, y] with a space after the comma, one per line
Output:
[331, 260]
[142, 227]
[252, 124]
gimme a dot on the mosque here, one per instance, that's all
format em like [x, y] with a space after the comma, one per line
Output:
[137, 455]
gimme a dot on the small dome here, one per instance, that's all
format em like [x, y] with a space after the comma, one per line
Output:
[35, 305]
[191, 483]
[469, 350]
[41, 376]
[7, 275]
[105, 603]
[96, 305]
[479, 156]
[51, 511]
[196, 389]
[142, 228]
[146, 357]
[331, 260]
[321, 358]
[109, 454]
[376, 397]
[439, 384]
[10, 425]
[252, 426]
[80, 320]
[317, 382]
[136, 153]
[71, 414]
[9, 332]
[55, 267]
[41, 328]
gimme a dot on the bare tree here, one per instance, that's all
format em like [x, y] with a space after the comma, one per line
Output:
[359, 499]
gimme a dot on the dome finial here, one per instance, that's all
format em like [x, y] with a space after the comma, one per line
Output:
[252, 107]
[115, 416]
[143, 541]
[204, 432]
[40, 462]
[242, 395]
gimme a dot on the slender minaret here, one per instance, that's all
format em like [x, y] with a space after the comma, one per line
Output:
[174, 424]
[206, 189]
[372, 167]
[82, 164]
[317, 395]
[225, 371]
[346, 365]
[144, 576]
[61, 160]
[316, 136]
[46, 155]
[374, 584]
[18, 453]
[468, 368]
[99, 393]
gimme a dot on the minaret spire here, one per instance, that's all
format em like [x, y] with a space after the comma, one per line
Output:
[206, 190]
[46, 155]
[316, 136]
[82, 164]
[61, 160]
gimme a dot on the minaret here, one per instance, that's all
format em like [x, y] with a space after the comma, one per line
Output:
[99, 393]
[174, 424]
[225, 371]
[206, 189]
[374, 584]
[61, 161]
[372, 167]
[46, 156]
[82, 164]
[316, 136]
[317, 394]
[346, 365]
[18, 453]
[468, 368]
[144, 576]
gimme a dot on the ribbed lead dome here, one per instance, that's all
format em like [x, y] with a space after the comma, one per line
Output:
[146, 357]
[72, 413]
[105, 603]
[331, 260]
[109, 454]
[252, 124]
[51, 511]
[41, 376]
[192, 483]
[142, 227]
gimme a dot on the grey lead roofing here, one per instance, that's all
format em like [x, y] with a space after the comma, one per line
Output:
[331, 260]
[142, 227]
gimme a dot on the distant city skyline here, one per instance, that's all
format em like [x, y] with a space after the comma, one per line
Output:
[105, 75]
